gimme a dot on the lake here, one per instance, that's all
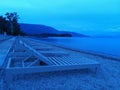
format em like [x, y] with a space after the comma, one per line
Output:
[104, 46]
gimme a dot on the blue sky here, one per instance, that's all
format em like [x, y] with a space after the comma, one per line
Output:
[84, 16]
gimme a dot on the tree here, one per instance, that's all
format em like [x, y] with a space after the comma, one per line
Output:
[10, 25]
[3, 23]
[13, 21]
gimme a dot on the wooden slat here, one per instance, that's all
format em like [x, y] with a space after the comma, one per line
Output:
[55, 60]
[61, 61]
[73, 60]
[51, 60]
[66, 58]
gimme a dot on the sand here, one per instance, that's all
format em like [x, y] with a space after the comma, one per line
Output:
[106, 78]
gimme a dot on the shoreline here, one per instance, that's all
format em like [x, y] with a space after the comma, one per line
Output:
[82, 51]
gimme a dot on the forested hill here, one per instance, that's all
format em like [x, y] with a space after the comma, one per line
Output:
[42, 29]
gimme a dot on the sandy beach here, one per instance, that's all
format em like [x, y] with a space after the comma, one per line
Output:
[106, 78]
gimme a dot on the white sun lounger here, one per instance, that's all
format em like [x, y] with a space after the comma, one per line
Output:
[56, 61]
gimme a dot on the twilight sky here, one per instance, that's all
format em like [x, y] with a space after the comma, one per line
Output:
[84, 16]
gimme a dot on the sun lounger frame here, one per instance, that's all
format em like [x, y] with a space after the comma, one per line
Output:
[53, 65]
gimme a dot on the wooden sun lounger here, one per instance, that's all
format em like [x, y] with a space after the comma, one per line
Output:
[54, 61]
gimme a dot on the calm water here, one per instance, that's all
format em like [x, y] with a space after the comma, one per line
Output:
[106, 46]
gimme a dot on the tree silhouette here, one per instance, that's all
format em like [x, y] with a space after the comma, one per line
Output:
[13, 21]
[3, 23]
[10, 25]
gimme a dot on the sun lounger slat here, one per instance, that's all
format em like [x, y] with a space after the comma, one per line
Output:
[53, 61]
[67, 60]
[59, 60]
[62, 59]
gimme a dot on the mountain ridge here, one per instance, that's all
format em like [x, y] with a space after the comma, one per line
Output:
[39, 29]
